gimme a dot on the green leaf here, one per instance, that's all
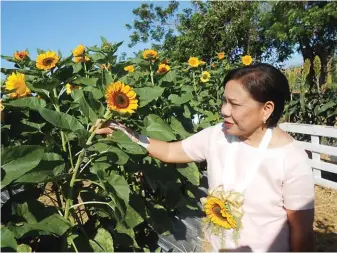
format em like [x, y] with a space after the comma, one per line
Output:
[7, 238]
[37, 126]
[8, 58]
[86, 81]
[94, 49]
[187, 113]
[95, 104]
[123, 230]
[148, 94]
[179, 100]
[124, 142]
[45, 83]
[191, 172]
[98, 57]
[159, 219]
[50, 166]
[120, 185]
[78, 96]
[99, 147]
[102, 241]
[61, 120]
[77, 67]
[96, 93]
[179, 128]
[104, 41]
[18, 160]
[53, 224]
[115, 154]
[132, 217]
[99, 167]
[169, 77]
[108, 77]
[156, 128]
[32, 103]
[24, 248]
[332, 114]
[326, 106]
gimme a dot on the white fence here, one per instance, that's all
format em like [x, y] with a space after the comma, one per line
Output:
[318, 150]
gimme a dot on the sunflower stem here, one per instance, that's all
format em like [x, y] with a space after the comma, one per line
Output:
[85, 68]
[151, 74]
[70, 154]
[57, 108]
[69, 200]
[195, 85]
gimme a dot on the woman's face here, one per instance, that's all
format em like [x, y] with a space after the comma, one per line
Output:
[242, 114]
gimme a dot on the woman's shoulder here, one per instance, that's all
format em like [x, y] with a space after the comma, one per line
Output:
[281, 139]
[292, 152]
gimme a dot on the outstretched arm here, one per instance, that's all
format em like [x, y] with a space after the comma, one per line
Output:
[169, 152]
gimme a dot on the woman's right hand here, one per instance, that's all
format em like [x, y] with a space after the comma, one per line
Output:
[110, 126]
[105, 129]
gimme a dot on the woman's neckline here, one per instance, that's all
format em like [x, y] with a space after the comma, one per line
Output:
[268, 148]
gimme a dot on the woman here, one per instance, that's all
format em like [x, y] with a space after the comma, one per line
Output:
[250, 155]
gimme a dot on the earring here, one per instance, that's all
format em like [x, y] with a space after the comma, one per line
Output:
[264, 120]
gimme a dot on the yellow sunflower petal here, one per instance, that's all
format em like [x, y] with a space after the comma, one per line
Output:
[120, 97]
[126, 89]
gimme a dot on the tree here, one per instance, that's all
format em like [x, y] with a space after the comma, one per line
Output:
[308, 27]
[268, 31]
[208, 28]
[152, 23]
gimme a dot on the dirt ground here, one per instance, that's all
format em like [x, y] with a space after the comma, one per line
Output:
[325, 225]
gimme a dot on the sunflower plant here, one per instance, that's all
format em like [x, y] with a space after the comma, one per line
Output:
[79, 191]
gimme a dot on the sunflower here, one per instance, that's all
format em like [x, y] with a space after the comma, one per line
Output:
[202, 63]
[105, 66]
[129, 68]
[81, 59]
[163, 68]
[216, 212]
[121, 98]
[194, 62]
[16, 83]
[205, 76]
[247, 60]
[70, 87]
[20, 55]
[150, 54]
[221, 55]
[79, 50]
[47, 60]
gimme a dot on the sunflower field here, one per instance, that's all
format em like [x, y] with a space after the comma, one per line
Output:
[87, 192]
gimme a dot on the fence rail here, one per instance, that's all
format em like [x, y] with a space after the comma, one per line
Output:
[317, 150]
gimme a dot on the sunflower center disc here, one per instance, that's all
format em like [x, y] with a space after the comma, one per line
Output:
[47, 61]
[122, 101]
[217, 211]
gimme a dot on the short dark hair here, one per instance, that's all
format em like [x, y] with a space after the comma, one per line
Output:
[264, 83]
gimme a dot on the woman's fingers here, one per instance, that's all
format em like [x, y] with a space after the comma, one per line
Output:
[104, 130]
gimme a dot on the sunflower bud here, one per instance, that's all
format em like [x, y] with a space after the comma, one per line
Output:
[306, 68]
[317, 66]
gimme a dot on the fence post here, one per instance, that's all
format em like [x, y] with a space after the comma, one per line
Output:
[316, 156]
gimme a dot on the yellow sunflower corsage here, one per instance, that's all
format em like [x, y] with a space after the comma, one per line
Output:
[223, 210]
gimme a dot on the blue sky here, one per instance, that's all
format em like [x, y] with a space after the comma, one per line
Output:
[63, 25]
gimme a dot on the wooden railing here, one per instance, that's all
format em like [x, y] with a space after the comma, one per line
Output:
[317, 150]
